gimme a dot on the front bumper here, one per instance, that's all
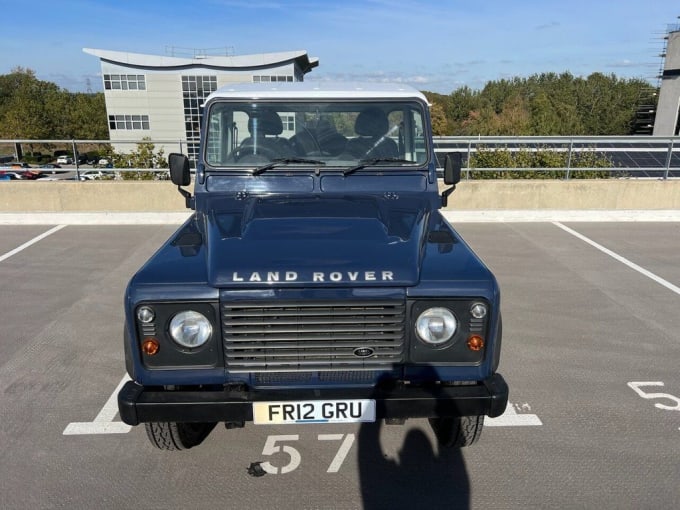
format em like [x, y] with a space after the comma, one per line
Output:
[138, 404]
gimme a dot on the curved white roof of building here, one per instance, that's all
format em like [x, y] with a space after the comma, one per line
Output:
[234, 62]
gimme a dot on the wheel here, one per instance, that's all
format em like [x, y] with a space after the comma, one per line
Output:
[457, 432]
[177, 436]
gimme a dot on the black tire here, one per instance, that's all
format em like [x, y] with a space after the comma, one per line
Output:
[458, 431]
[177, 436]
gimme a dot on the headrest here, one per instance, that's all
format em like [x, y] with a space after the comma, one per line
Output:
[268, 123]
[371, 122]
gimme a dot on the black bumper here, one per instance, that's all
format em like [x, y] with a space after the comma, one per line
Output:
[138, 404]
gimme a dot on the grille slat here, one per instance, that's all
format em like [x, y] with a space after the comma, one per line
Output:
[397, 335]
[312, 336]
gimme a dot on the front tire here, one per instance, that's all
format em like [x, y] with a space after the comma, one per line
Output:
[458, 431]
[177, 436]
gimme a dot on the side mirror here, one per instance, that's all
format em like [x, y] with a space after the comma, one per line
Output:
[180, 172]
[452, 168]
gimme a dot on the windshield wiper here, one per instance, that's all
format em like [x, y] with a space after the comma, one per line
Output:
[286, 161]
[374, 161]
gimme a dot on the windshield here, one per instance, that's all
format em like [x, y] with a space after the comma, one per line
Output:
[329, 134]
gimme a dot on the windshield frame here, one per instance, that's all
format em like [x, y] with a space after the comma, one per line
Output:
[421, 143]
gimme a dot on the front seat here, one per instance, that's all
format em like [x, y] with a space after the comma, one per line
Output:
[371, 125]
[265, 127]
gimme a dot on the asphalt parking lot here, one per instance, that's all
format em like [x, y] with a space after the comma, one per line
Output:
[591, 354]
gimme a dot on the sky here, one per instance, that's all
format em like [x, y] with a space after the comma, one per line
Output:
[434, 45]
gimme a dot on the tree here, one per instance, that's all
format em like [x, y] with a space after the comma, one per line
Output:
[36, 109]
[143, 157]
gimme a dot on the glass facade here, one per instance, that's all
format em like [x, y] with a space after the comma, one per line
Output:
[195, 89]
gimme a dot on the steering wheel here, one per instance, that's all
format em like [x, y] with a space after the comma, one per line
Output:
[249, 150]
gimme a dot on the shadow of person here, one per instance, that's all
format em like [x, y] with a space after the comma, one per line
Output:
[418, 478]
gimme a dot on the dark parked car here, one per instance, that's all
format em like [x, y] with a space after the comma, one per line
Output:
[314, 283]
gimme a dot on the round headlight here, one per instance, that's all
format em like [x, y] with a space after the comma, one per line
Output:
[145, 314]
[478, 310]
[436, 326]
[190, 329]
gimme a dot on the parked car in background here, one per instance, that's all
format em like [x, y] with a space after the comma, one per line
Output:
[9, 176]
[50, 166]
[64, 160]
[92, 175]
[32, 174]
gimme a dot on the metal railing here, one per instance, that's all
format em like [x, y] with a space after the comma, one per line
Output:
[628, 156]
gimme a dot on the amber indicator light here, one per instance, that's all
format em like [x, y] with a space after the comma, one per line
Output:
[150, 346]
[475, 343]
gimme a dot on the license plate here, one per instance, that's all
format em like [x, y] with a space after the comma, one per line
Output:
[313, 411]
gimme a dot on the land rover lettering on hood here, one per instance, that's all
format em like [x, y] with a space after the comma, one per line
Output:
[316, 280]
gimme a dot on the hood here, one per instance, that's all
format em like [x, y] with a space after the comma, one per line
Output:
[315, 241]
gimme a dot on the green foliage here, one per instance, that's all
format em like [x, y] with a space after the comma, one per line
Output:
[36, 109]
[524, 159]
[143, 157]
[542, 105]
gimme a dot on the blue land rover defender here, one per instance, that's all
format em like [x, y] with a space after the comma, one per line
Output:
[317, 280]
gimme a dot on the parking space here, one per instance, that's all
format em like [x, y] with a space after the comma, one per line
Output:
[590, 352]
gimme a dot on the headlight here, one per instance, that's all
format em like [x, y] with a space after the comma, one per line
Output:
[190, 329]
[436, 326]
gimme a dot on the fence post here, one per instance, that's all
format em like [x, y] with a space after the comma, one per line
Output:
[467, 172]
[669, 156]
[571, 148]
[75, 157]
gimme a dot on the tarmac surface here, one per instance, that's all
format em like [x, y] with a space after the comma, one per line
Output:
[591, 353]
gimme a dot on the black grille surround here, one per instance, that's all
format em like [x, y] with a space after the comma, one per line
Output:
[311, 336]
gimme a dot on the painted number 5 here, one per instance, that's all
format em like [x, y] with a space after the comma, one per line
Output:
[270, 448]
[636, 387]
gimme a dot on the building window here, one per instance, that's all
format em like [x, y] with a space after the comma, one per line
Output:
[288, 122]
[129, 122]
[124, 82]
[195, 89]
[261, 79]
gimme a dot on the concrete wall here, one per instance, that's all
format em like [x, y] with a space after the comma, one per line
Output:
[155, 196]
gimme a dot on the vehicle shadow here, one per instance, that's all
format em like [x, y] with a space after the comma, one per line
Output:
[420, 477]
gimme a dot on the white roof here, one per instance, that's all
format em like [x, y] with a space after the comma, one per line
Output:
[236, 61]
[317, 90]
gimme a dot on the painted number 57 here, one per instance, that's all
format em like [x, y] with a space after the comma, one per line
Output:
[637, 388]
[273, 445]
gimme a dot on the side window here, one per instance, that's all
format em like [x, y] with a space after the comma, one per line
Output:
[408, 133]
[419, 149]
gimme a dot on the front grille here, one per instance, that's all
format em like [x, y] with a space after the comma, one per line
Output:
[313, 336]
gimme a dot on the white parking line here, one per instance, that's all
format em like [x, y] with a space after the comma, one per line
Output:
[103, 423]
[621, 259]
[511, 418]
[31, 242]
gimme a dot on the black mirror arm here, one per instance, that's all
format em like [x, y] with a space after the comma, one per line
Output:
[188, 199]
[445, 195]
